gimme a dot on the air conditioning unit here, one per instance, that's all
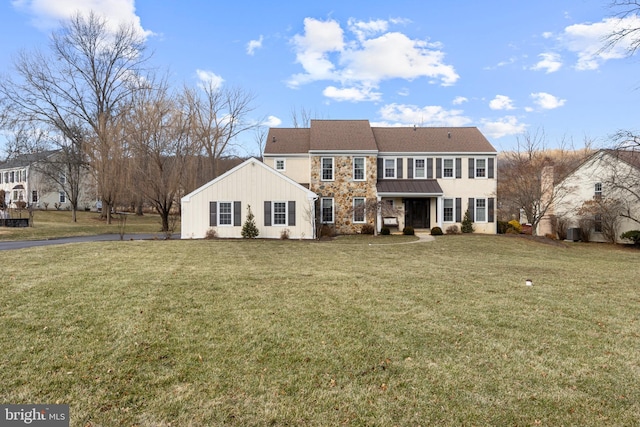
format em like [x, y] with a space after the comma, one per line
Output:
[573, 234]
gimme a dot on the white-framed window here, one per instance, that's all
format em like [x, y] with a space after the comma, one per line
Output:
[280, 165]
[13, 176]
[358, 169]
[326, 207]
[389, 168]
[597, 223]
[225, 213]
[34, 196]
[359, 210]
[63, 179]
[448, 210]
[327, 168]
[279, 210]
[481, 210]
[448, 168]
[481, 168]
[419, 168]
[598, 190]
[63, 197]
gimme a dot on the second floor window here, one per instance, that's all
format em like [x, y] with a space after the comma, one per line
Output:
[280, 164]
[358, 168]
[481, 168]
[419, 168]
[598, 190]
[447, 168]
[327, 168]
[389, 168]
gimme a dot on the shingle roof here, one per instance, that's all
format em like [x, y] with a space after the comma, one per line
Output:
[409, 186]
[630, 156]
[432, 139]
[23, 160]
[358, 135]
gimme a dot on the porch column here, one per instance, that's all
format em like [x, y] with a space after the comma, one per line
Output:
[440, 211]
[378, 214]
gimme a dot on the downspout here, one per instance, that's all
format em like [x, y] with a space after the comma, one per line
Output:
[313, 201]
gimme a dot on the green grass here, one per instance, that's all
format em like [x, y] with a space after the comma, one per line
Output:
[52, 224]
[219, 332]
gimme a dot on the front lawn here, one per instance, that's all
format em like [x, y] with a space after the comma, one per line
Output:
[344, 332]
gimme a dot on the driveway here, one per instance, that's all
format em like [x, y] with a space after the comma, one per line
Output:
[22, 244]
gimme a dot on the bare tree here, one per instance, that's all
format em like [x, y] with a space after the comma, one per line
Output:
[621, 34]
[621, 169]
[603, 215]
[157, 129]
[219, 115]
[530, 177]
[82, 84]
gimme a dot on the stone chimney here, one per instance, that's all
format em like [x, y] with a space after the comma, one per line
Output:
[545, 226]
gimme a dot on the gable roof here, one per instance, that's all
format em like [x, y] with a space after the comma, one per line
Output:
[358, 135]
[632, 157]
[251, 161]
[24, 160]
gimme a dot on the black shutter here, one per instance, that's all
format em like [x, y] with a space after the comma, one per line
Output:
[267, 213]
[410, 168]
[438, 167]
[491, 167]
[292, 213]
[430, 168]
[458, 167]
[491, 213]
[472, 209]
[213, 214]
[399, 168]
[458, 209]
[380, 168]
[237, 214]
[472, 168]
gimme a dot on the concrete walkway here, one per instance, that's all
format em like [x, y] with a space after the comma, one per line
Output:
[422, 238]
[22, 244]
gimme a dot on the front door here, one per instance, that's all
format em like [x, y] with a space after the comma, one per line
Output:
[417, 213]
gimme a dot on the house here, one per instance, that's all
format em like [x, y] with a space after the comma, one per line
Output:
[330, 173]
[604, 194]
[278, 203]
[429, 175]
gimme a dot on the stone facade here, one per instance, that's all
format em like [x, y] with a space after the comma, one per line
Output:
[344, 188]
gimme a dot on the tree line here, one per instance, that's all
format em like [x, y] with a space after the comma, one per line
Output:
[93, 99]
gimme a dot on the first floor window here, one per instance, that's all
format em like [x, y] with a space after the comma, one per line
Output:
[279, 213]
[327, 210]
[63, 197]
[34, 196]
[225, 213]
[597, 223]
[448, 210]
[481, 210]
[359, 209]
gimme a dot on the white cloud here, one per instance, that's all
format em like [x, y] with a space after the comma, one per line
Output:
[587, 41]
[374, 55]
[351, 94]
[431, 115]
[272, 122]
[501, 102]
[505, 126]
[47, 14]
[550, 62]
[209, 78]
[547, 101]
[459, 100]
[253, 45]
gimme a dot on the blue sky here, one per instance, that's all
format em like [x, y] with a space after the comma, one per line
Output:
[507, 67]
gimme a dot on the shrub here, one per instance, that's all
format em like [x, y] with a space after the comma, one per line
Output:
[327, 231]
[408, 231]
[515, 226]
[284, 234]
[467, 224]
[249, 229]
[550, 236]
[211, 233]
[385, 231]
[453, 229]
[367, 229]
[633, 235]
[436, 231]
[502, 227]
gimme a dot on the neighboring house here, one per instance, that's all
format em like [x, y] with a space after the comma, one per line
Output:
[335, 169]
[22, 181]
[278, 204]
[605, 179]
[430, 175]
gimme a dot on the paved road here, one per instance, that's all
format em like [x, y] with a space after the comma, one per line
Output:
[4, 246]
